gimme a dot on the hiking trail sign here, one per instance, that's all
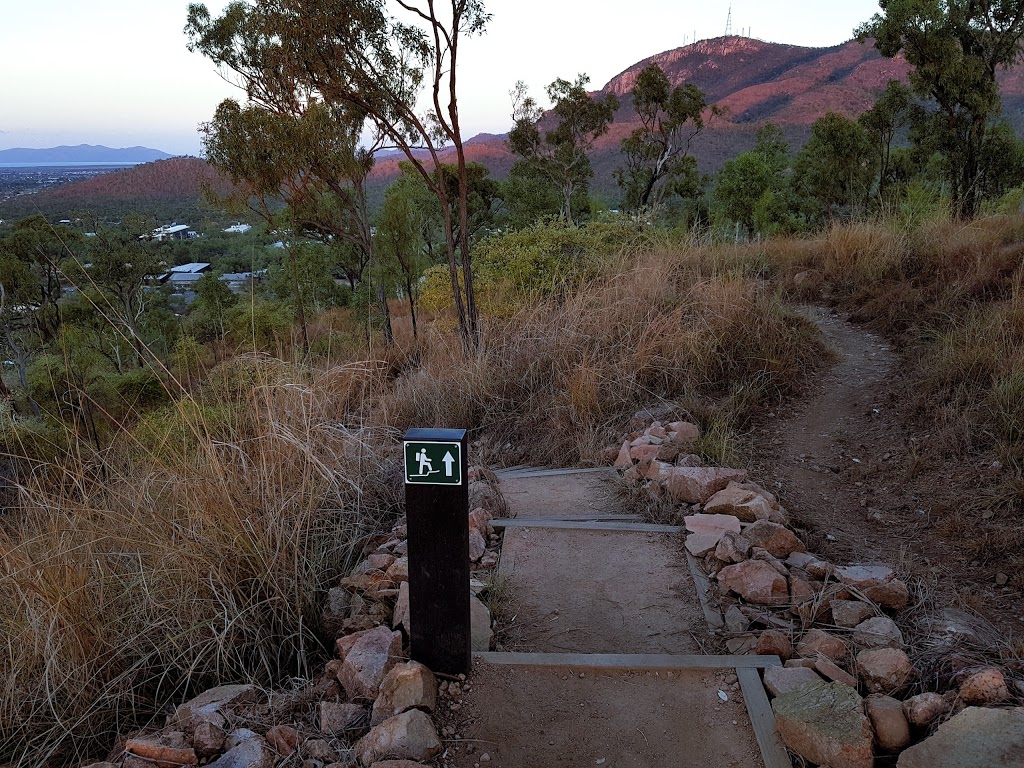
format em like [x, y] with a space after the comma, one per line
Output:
[433, 463]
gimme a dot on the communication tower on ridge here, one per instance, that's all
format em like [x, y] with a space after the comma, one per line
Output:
[728, 22]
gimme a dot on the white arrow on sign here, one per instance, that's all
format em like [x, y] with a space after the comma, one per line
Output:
[448, 462]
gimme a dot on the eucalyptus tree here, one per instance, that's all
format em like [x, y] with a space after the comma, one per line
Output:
[357, 56]
[561, 152]
[956, 49]
[891, 114]
[657, 154]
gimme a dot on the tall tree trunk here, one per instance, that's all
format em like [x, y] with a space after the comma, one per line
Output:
[412, 306]
[382, 301]
[467, 264]
[298, 300]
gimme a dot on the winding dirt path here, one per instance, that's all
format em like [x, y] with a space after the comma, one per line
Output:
[845, 463]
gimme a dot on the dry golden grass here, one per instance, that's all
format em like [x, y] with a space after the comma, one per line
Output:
[197, 547]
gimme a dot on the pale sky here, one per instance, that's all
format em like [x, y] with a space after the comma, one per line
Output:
[117, 72]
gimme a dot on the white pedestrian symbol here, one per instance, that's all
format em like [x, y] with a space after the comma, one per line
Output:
[426, 468]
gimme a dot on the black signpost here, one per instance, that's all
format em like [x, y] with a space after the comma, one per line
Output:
[437, 515]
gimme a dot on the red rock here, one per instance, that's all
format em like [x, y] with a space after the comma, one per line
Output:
[683, 433]
[863, 576]
[624, 460]
[410, 736]
[396, 764]
[407, 686]
[986, 686]
[884, 670]
[160, 753]
[399, 570]
[878, 632]
[380, 561]
[777, 539]
[817, 641]
[801, 590]
[732, 548]
[208, 739]
[477, 545]
[367, 659]
[922, 710]
[735, 500]
[825, 724]
[756, 582]
[695, 485]
[892, 731]
[833, 672]
[772, 642]
[780, 680]
[655, 470]
[339, 719]
[284, 739]
[850, 613]
[400, 618]
[641, 453]
[211, 704]
[892, 594]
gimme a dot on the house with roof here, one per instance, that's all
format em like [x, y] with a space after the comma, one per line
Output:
[185, 276]
[171, 232]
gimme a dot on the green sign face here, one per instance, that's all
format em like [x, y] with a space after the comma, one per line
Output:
[433, 463]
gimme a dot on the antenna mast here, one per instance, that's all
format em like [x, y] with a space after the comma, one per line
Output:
[728, 22]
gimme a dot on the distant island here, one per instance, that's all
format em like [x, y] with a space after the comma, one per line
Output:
[83, 153]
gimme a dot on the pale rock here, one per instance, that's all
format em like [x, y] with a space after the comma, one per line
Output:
[817, 641]
[976, 738]
[825, 724]
[700, 544]
[720, 524]
[878, 632]
[832, 671]
[741, 644]
[211, 704]
[489, 560]
[922, 710]
[656, 430]
[251, 753]
[319, 750]
[240, 736]
[338, 719]
[480, 625]
[797, 663]
[884, 670]
[689, 460]
[892, 731]
[779, 680]
[772, 642]
[755, 581]
[732, 548]
[986, 686]
[400, 618]
[366, 659]
[863, 576]
[695, 485]
[777, 539]
[735, 620]
[407, 686]
[654, 470]
[339, 600]
[850, 613]
[477, 545]
[408, 736]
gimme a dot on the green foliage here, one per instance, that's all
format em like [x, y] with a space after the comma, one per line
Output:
[311, 266]
[561, 152]
[753, 181]
[657, 156]
[260, 325]
[956, 48]
[833, 170]
[889, 116]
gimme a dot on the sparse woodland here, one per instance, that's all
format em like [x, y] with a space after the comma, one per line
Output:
[180, 483]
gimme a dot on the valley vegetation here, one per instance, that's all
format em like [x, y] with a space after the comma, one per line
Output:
[183, 478]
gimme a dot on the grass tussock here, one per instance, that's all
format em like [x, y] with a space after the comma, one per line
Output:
[131, 578]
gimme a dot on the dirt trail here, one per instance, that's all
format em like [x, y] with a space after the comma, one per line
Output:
[597, 592]
[845, 463]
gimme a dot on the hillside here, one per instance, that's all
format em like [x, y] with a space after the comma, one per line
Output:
[753, 81]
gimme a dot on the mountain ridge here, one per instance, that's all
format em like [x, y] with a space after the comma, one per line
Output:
[82, 153]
